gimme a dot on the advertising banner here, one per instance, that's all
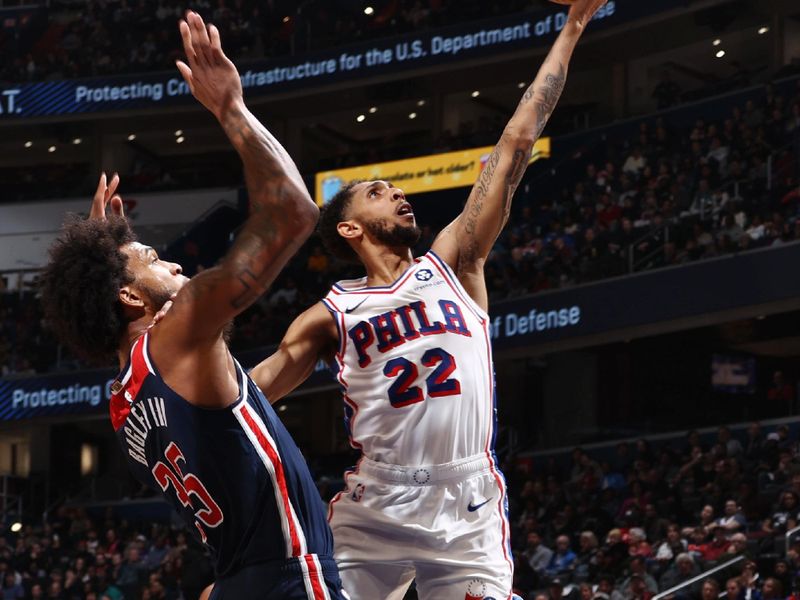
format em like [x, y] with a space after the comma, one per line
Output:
[260, 77]
[704, 290]
[420, 174]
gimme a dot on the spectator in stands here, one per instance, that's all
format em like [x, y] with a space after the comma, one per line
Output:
[733, 448]
[684, 569]
[655, 526]
[286, 295]
[698, 545]
[132, 573]
[733, 589]
[748, 580]
[710, 589]
[737, 546]
[636, 589]
[637, 543]
[638, 568]
[537, 554]
[706, 521]
[586, 563]
[780, 394]
[718, 545]
[12, 587]
[786, 515]
[733, 520]
[635, 163]
[672, 546]
[754, 443]
[562, 560]
[772, 589]
[555, 589]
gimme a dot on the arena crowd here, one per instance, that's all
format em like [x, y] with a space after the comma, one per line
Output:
[620, 522]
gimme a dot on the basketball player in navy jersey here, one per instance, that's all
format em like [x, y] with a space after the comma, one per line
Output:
[411, 340]
[190, 421]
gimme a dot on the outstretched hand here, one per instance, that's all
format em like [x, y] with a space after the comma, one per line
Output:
[582, 11]
[210, 75]
[104, 196]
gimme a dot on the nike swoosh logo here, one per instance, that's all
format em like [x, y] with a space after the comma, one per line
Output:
[473, 507]
[352, 308]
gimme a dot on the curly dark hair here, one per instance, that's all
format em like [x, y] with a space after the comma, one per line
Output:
[80, 285]
[331, 215]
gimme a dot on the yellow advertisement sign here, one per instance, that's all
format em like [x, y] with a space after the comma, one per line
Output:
[421, 174]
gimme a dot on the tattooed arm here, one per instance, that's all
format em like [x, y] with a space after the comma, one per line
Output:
[282, 216]
[467, 241]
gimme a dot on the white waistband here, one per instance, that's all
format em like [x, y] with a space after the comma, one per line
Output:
[424, 474]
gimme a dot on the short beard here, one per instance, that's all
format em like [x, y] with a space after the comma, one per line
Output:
[158, 296]
[397, 236]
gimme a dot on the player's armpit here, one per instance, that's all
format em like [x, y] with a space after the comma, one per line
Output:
[311, 336]
[446, 243]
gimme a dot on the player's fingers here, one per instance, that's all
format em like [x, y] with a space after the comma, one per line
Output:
[213, 35]
[215, 54]
[98, 209]
[199, 35]
[162, 313]
[199, 27]
[186, 72]
[112, 187]
[188, 46]
[117, 206]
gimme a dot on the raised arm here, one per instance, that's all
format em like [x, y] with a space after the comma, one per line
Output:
[282, 214]
[311, 336]
[467, 241]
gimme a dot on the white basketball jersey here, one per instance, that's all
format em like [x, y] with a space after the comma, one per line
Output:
[415, 365]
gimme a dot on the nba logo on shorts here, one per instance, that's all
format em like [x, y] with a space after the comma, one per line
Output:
[358, 493]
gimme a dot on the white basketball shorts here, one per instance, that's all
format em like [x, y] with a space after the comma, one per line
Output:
[445, 525]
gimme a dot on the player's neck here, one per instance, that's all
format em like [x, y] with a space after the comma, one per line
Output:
[384, 264]
[134, 331]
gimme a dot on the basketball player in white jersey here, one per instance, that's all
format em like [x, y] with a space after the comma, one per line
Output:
[411, 340]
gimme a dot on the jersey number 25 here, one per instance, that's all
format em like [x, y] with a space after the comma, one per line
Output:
[206, 510]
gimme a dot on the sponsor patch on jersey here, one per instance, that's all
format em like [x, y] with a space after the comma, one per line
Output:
[424, 275]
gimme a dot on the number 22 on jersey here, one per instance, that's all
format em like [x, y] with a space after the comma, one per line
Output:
[438, 383]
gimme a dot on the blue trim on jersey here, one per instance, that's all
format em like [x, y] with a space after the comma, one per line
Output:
[335, 314]
[367, 288]
[493, 442]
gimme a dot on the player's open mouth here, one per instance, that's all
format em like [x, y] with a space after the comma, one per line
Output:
[405, 209]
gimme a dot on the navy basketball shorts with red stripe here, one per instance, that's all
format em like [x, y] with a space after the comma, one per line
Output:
[308, 577]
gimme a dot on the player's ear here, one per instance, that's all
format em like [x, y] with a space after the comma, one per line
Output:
[130, 298]
[350, 230]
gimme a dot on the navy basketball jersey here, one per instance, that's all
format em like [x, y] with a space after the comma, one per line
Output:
[234, 474]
